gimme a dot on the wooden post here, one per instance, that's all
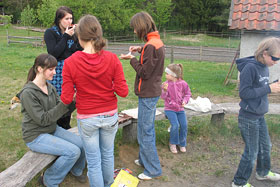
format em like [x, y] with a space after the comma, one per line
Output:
[8, 41]
[200, 53]
[164, 35]
[172, 55]
[129, 133]
[217, 119]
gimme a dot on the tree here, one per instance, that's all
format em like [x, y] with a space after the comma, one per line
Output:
[28, 16]
[161, 11]
[46, 12]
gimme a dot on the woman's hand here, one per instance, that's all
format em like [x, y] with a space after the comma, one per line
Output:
[275, 87]
[135, 49]
[127, 56]
[70, 30]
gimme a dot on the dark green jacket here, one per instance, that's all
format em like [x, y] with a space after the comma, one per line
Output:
[40, 111]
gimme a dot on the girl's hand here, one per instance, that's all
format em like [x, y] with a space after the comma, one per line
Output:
[70, 30]
[128, 56]
[275, 87]
[183, 104]
[165, 86]
[135, 49]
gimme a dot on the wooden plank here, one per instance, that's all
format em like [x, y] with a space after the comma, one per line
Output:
[32, 163]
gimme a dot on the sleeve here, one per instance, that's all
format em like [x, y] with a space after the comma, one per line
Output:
[67, 83]
[246, 90]
[36, 111]
[119, 82]
[54, 48]
[150, 60]
[187, 93]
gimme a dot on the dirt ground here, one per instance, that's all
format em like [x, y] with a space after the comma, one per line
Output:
[207, 163]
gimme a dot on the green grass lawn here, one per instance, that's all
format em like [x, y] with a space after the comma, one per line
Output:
[204, 79]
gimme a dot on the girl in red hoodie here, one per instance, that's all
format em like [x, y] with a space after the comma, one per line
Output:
[97, 77]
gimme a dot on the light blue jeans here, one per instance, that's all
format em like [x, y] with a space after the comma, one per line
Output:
[98, 135]
[69, 149]
[179, 127]
[146, 137]
[257, 147]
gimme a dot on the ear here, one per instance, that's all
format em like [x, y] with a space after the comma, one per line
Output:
[40, 69]
[265, 53]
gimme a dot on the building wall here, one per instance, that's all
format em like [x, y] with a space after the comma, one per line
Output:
[249, 43]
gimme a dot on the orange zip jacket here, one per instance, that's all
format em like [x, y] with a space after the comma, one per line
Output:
[149, 68]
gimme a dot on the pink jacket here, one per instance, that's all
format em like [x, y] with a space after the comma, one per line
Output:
[177, 93]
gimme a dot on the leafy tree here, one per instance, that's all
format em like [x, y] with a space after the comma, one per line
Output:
[6, 20]
[46, 12]
[28, 16]
[161, 11]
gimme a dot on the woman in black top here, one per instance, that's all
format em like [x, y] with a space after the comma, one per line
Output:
[61, 43]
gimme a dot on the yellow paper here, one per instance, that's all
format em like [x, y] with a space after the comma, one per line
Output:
[124, 179]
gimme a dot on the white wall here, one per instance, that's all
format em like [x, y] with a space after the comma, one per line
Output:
[249, 43]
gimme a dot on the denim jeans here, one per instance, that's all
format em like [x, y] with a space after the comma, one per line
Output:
[179, 127]
[98, 135]
[69, 149]
[257, 146]
[146, 137]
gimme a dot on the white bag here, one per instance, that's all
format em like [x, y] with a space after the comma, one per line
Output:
[199, 104]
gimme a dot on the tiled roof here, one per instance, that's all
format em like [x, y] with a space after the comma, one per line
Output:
[255, 15]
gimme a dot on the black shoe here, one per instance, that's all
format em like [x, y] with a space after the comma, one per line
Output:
[82, 178]
[41, 180]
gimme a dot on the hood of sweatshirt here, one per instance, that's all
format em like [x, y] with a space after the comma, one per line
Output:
[31, 85]
[242, 62]
[93, 65]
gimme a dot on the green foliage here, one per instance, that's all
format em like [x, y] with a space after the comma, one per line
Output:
[28, 16]
[161, 11]
[6, 20]
[46, 12]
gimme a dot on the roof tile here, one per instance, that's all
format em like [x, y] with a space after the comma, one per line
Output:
[255, 15]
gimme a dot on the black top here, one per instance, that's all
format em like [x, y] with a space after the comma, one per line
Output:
[61, 46]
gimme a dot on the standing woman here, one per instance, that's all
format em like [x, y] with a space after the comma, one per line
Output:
[61, 43]
[41, 108]
[98, 76]
[149, 70]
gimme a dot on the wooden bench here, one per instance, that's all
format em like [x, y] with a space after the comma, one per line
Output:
[35, 41]
[32, 163]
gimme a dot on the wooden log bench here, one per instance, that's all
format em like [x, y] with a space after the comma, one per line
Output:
[32, 163]
[34, 41]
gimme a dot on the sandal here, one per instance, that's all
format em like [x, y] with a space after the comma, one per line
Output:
[173, 148]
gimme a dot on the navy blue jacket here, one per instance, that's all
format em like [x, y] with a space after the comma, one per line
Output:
[254, 87]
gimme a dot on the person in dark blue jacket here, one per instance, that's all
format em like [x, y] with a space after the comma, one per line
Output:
[253, 91]
[61, 43]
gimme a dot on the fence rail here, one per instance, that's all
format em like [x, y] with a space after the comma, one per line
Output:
[199, 53]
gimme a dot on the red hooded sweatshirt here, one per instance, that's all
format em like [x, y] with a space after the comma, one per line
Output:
[97, 78]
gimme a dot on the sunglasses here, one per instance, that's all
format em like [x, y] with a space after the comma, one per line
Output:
[274, 58]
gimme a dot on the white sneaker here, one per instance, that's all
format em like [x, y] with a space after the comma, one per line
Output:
[270, 176]
[246, 185]
[142, 176]
[169, 128]
[137, 162]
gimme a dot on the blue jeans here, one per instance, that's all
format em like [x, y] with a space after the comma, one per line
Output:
[179, 127]
[69, 149]
[146, 137]
[257, 147]
[98, 135]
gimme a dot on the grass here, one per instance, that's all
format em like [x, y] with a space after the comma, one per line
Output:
[204, 78]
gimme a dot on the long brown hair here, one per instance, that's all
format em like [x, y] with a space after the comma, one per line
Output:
[89, 29]
[60, 13]
[45, 61]
[143, 24]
